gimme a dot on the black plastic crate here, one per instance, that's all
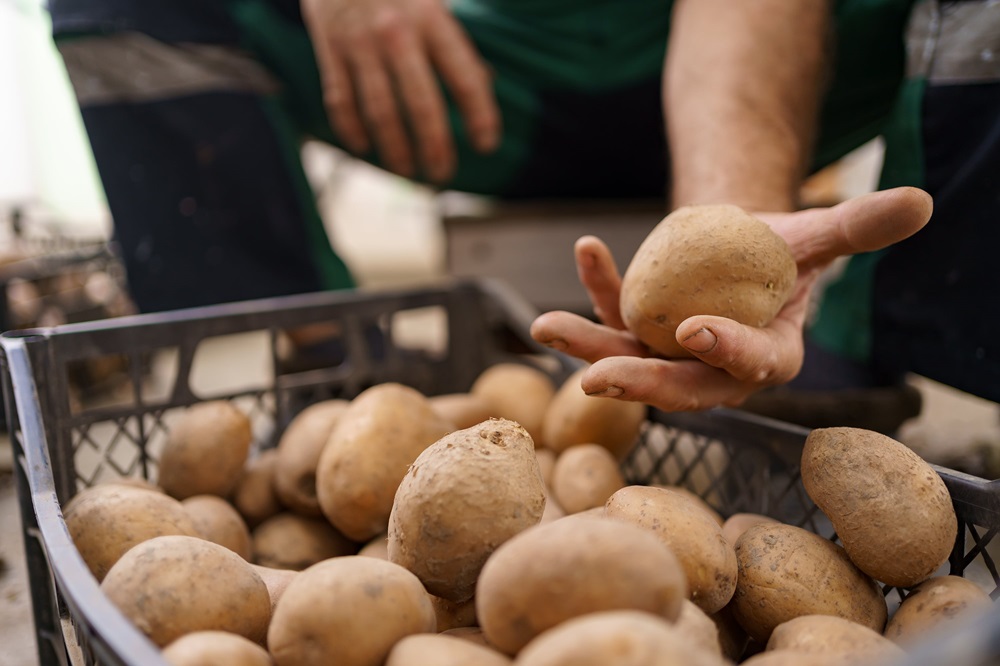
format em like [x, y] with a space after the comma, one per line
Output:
[737, 462]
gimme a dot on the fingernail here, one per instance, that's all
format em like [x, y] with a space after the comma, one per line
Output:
[609, 392]
[703, 340]
[556, 343]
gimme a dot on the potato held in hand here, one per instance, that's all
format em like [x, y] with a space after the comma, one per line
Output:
[705, 260]
[889, 507]
[462, 497]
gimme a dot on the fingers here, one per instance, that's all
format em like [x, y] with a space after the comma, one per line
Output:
[582, 338]
[862, 224]
[422, 98]
[672, 386]
[338, 93]
[465, 75]
[598, 273]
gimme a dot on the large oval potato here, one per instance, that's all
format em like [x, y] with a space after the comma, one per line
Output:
[106, 521]
[174, 585]
[829, 635]
[705, 260]
[213, 648]
[889, 507]
[786, 571]
[463, 496]
[615, 638]
[299, 450]
[516, 392]
[937, 602]
[348, 611]
[709, 561]
[573, 417]
[557, 571]
[206, 451]
[375, 441]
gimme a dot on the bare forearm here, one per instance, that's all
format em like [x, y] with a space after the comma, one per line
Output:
[742, 84]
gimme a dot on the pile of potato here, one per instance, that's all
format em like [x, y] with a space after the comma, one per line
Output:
[494, 527]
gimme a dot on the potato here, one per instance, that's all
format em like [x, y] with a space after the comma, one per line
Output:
[699, 628]
[377, 547]
[699, 500]
[275, 580]
[891, 510]
[786, 571]
[451, 615]
[937, 602]
[206, 451]
[584, 477]
[554, 512]
[792, 658]
[348, 611]
[471, 634]
[573, 417]
[597, 513]
[211, 648]
[291, 541]
[615, 638]
[254, 496]
[218, 521]
[298, 455]
[375, 441]
[732, 637]
[442, 650]
[169, 586]
[833, 636]
[462, 497]
[462, 410]
[516, 392]
[134, 482]
[738, 523]
[709, 561]
[107, 520]
[557, 571]
[704, 260]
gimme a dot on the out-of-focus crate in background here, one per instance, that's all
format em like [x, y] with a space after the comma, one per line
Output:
[529, 244]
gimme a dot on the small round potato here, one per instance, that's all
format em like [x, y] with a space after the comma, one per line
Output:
[462, 410]
[738, 523]
[218, 521]
[348, 611]
[516, 392]
[584, 477]
[291, 541]
[443, 650]
[699, 627]
[299, 450]
[254, 496]
[936, 602]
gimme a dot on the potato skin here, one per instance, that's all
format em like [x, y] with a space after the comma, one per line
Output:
[936, 602]
[699, 628]
[211, 648]
[254, 496]
[891, 510]
[786, 571]
[705, 260]
[105, 521]
[174, 585]
[573, 417]
[584, 477]
[462, 497]
[738, 523]
[559, 570]
[206, 451]
[326, 614]
[299, 450]
[689, 531]
[443, 650]
[828, 635]
[373, 444]
[462, 410]
[620, 637]
[516, 392]
[218, 521]
[291, 541]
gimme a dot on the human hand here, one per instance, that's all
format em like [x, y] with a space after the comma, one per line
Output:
[380, 62]
[731, 360]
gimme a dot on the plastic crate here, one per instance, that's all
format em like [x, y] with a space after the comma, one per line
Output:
[737, 462]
